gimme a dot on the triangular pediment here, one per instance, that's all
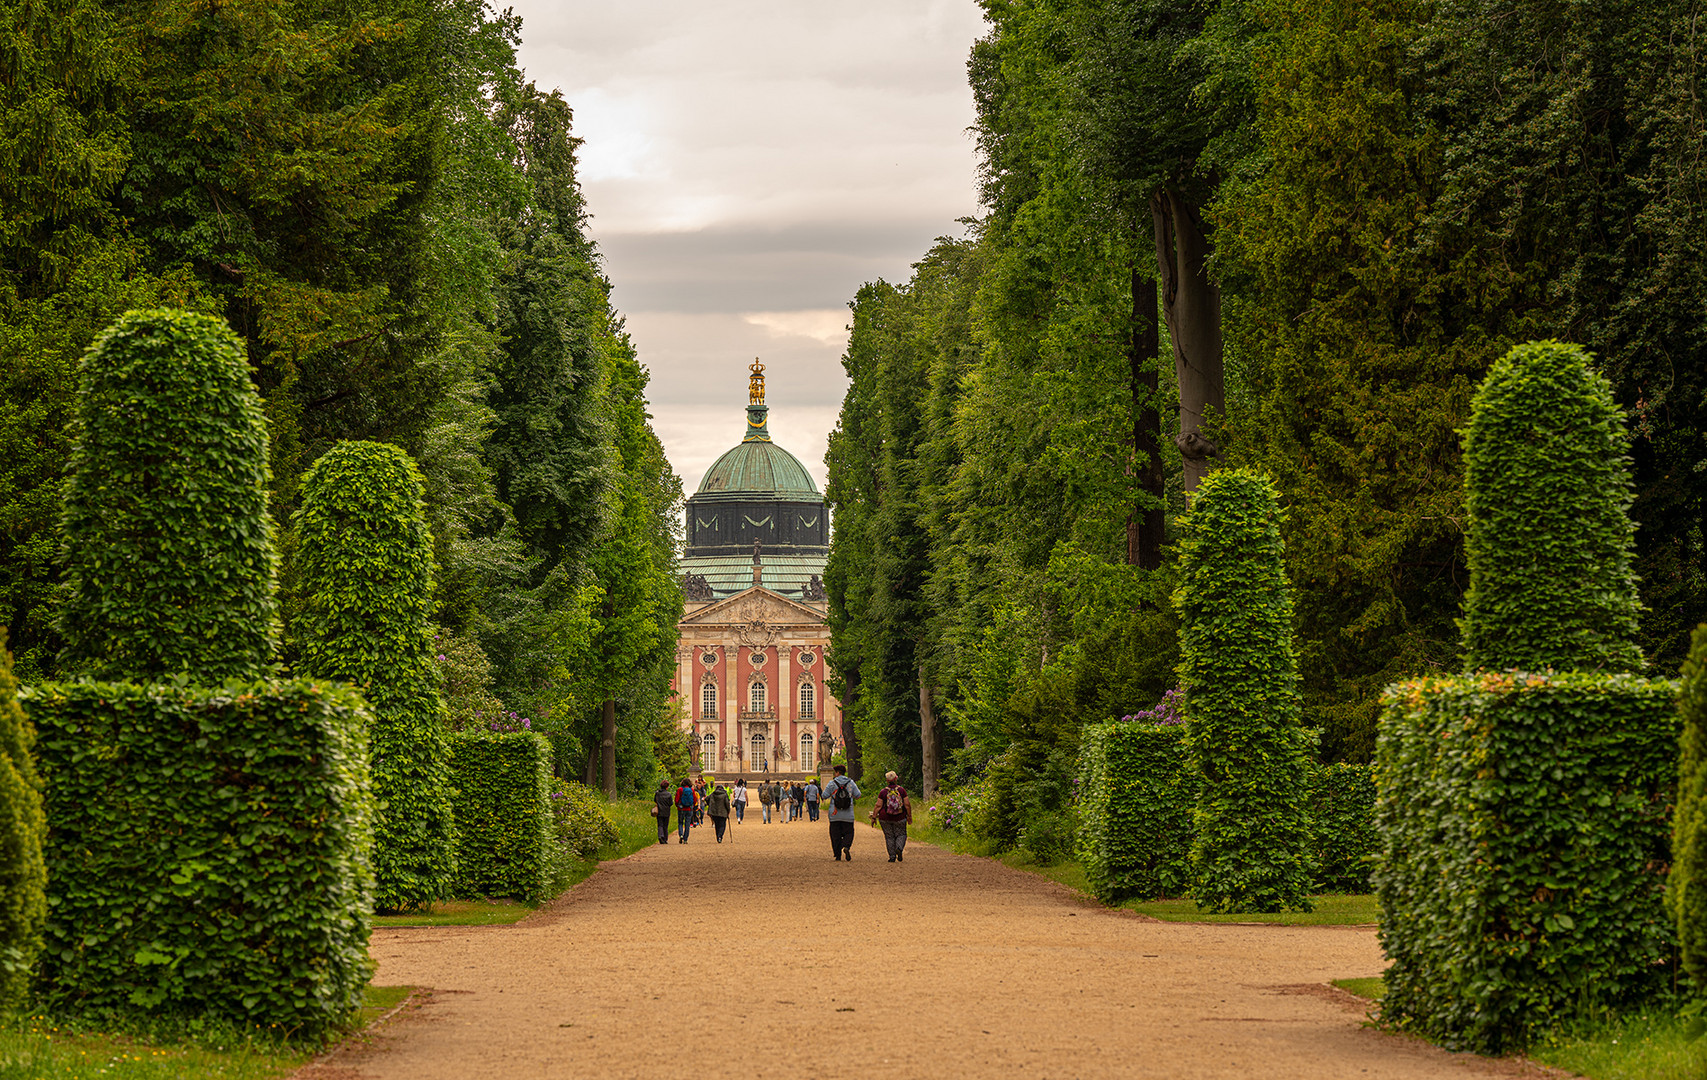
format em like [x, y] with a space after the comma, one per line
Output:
[758, 608]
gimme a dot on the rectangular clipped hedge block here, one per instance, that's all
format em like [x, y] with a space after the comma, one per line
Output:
[504, 823]
[1342, 807]
[1525, 829]
[207, 852]
[1136, 797]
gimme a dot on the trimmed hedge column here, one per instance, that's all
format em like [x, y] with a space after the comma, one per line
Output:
[1525, 835]
[23, 873]
[1547, 490]
[1687, 888]
[1252, 850]
[1136, 796]
[504, 821]
[209, 852]
[365, 572]
[170, 548]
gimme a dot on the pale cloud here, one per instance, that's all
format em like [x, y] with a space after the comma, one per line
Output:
[748, 165]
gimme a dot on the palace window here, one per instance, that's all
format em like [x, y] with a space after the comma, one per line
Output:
[807, 761]
[759, 759]
[708, 702]
[708, 753]
[808, 699]
[756, 697]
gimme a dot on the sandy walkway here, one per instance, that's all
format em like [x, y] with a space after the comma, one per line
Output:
[765, 957]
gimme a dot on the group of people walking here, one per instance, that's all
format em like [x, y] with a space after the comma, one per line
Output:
[693, 801]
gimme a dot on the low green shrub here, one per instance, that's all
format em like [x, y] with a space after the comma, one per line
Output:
[952, 809]
[23, 874]
[207, 853]
[505, 843]
[1136, 797]
[582, 826]
[169, 547]
[1525, 832]
[1342, 812]
[1686, 890]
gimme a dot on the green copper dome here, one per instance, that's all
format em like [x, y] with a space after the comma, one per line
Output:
[758, 464]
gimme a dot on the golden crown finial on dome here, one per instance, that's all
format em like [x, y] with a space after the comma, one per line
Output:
[756, 384]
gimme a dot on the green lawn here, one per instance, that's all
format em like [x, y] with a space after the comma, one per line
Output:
[1637, 1048]
[1331, 910]
[1371, 988]
[635, 829]
[36, 1050]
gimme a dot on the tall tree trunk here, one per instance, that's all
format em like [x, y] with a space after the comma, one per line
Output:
[592, 779]
[1192, 305]
[608, 748]
[850, 738]
[1144, 525]
[930, 738]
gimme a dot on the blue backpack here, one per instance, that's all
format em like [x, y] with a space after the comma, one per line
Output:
[684, 798]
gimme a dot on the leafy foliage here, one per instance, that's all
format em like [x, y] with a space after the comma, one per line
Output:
[364, 569]
[1251, 851]
[504, 814]
[23, 873]
[1342, 814]
[1524, 824]
[1547, 487]
[583, 829]
[208, 856]
[465, 682]
[1686, 889]
[170, 549]
[1137, 795]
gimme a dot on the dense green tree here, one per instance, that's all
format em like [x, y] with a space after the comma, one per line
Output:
[23, 828]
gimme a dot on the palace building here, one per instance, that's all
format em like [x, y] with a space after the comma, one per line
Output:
[750, 666]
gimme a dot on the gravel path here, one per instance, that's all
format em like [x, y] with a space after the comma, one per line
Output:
[765, 956]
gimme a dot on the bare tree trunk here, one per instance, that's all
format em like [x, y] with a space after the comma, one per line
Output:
[608, 749]
[1145, 524]
[930, 738]
[1192, 305]
[592, 767]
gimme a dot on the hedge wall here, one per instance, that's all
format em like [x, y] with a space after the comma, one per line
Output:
[1342, 815]
[506, 832]
[23, 874]
[1252, 848]
[1686, 894]
[169, 546]
[207, 852]
[1524, 823]
[1136, 797]
[363, 564]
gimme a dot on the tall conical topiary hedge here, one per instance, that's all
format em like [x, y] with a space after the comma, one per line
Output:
[169, 545]
[1252, 850]
[1686, 893]
[23, 874]
[364, 574]
[1546, 488]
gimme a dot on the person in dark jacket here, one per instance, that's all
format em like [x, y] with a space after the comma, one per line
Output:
[717, 809]
[661, 800]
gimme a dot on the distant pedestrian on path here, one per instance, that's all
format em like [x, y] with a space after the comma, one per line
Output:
[841, 791]
[661, 800]
[717, 809]
[765, 801]
[684, 810]
[894, 814]
[739, 798]
[812, 796]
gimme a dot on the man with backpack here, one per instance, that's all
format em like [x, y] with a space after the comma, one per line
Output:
[661, 800]
[684, 810]
[766, 799]
[894, 814]
[841, 793]
[812, 795]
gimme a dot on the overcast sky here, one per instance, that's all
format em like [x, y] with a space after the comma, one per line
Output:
[748, 164]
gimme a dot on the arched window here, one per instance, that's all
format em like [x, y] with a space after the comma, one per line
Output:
[807, 761]
[708, 702]
[808, 700]
[756, 696]
[759, 759]
[708, 753]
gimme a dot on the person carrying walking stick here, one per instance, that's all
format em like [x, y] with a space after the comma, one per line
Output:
[717, 808]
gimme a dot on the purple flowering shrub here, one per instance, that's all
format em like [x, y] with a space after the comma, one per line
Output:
[1169, 711]
[465, 680]
[957, 808]
[582, 826]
